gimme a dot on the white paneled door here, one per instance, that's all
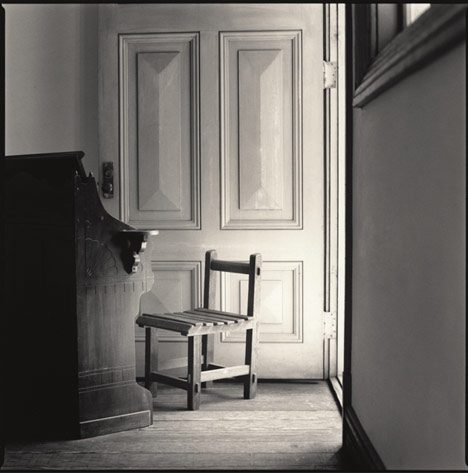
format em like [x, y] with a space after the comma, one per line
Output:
[213, 117]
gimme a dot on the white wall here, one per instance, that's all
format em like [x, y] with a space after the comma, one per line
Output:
[51, 80]
[408, 333]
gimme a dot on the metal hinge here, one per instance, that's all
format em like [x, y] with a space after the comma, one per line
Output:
[329, 75]
[329, 325]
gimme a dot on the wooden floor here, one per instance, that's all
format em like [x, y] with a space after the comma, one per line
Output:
[288, 426]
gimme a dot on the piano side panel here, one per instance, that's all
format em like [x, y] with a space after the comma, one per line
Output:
[108, 300]
[38, 336]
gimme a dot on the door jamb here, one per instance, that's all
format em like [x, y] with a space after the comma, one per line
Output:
[334, 196]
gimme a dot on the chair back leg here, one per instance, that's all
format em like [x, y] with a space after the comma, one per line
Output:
[251, 350]
[253, 309]
[194, 372]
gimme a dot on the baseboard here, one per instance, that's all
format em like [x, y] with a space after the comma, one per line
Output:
[337, 391]
[359, 451]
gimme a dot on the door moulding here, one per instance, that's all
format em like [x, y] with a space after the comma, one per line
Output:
[334, 193]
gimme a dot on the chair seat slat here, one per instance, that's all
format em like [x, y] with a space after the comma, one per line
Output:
[222, 313]
[223, 328]
[228, 320]
[201, 319]
[170, 316]
[184, 317]
[224, 320]
[151, 320]
[211, 317]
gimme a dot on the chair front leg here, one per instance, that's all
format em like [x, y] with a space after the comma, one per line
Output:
[151, 358]
[194, 372]
[251, 349]
[208, 356]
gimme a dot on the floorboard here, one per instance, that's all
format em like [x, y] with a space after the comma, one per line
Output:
[295, 426]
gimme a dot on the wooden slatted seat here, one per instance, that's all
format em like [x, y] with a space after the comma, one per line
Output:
[200, 325]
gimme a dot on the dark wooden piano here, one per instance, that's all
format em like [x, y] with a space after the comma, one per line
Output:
[75, 276]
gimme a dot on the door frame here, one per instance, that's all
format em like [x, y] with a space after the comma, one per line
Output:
[334, 198]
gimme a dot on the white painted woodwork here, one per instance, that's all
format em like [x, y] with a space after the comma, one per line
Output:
[159, 119]
[281, 301]
[260, 133]
[261, 129]
[338, 191]
[334, 150]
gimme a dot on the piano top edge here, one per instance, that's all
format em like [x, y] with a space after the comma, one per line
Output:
[70, 156]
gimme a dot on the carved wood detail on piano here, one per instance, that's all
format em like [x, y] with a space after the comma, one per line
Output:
[99, 259]
[133, 243]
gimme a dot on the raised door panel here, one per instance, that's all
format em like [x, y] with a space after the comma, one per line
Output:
[281, 315]
[261, 156]
[160, 130]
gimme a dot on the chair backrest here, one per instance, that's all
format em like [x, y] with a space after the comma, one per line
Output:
[253, 268]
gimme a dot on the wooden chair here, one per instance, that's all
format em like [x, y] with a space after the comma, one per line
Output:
[200, 325]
